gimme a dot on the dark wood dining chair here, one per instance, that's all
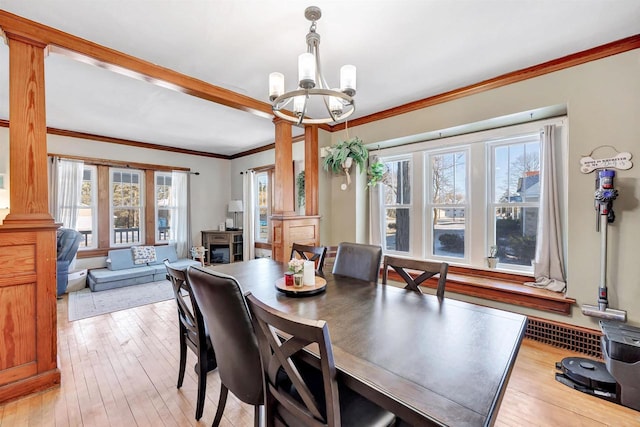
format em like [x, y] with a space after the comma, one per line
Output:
[310, 253]
[427, 270]
[193, 333]
[227, 318]
[314, 397]
[358, 261]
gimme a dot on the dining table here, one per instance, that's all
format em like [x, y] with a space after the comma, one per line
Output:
[430, 361]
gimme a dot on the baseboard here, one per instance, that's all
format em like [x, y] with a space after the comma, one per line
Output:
[567, 336]
[30, 385]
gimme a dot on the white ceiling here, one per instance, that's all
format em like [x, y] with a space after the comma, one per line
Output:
[404, 50]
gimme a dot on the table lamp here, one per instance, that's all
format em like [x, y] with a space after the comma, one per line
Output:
[235, 206]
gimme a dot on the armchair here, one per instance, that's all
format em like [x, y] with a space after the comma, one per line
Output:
[68, 243]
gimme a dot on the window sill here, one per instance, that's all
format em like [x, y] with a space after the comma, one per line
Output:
[498, 286]
[262, 245]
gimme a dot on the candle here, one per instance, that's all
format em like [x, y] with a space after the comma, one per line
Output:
[309, 275]
[288, 278]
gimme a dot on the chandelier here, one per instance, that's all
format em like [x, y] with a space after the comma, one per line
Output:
[313, 90]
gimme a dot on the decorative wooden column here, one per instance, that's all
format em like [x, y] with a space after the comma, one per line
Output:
[287, 227]
[28, 335]
[284, 189]
[311, 170]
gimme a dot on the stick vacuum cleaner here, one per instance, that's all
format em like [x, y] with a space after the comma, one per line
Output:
[616, 380]
[604, 196]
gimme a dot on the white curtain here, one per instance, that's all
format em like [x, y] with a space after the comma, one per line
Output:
[548, 267]
[65, 187]
[249, 217]
[179, 221]
[375, 221]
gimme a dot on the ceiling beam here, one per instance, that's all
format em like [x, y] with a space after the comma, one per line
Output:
[100, 56]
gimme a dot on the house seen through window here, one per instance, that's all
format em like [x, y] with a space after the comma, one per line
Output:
[515, 198]
[451, 202]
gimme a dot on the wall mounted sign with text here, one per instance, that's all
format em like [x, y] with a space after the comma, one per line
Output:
[620, 161]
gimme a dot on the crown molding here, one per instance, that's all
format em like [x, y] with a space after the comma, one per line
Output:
[593, 54]
[131, 143]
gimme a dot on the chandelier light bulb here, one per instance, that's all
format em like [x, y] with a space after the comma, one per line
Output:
[307, 70]
[348, 79]
[276, 85]
[298, 105]
[335, 105]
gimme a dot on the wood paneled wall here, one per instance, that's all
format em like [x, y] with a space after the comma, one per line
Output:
[287, 230]
[28, 340]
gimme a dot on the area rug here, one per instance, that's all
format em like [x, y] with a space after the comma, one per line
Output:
[84, 303]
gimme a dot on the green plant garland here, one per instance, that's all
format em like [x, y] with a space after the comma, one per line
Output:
[301, 193]
[376, 173]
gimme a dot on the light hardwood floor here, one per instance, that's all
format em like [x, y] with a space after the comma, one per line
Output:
[120, 369]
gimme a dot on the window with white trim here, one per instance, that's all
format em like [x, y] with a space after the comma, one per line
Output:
[447, 203]
[465, 194]
[263, 193]
[514, 198]
[88, 210]
[127, 206]
[396, 210]
[164, 206]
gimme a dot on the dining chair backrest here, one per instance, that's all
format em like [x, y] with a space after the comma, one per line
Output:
[227, 318]
[291, 405]
[310, 253]
[427, 270]
[189, 314]
[358, 261]
[193, 333]
[297, 393]
[330, 257]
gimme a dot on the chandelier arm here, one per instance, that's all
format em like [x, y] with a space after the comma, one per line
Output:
[322, 83]
[304, 109]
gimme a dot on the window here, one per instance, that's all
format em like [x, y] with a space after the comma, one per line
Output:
[263, 204]
[454, 198]
[447, 203]
[515, 198]
[164, 206]
[397, 205]
[88, 210]
[118, 205]
[126, 198]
